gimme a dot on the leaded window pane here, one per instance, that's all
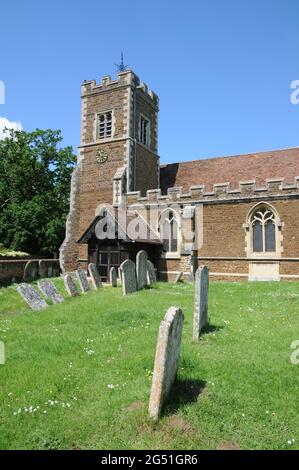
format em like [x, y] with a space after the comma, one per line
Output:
[166, 235]
[257, 237]
[174, 236]
[270, 237]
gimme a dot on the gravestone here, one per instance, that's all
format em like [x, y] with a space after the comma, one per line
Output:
[141, 269]
[113, 277]
[119, 275]
[151, 273]
[42, 269]
[178, 277]
[95, 277]
[83, 281]
[128, 277]
[31, 297]
[31, 271]
[201, 301]
[50, 270]
[50, 291]
[70, 286]
[166, 360]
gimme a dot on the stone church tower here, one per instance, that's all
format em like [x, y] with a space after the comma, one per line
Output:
[117, 154]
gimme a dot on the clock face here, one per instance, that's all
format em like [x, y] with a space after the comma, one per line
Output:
[102, 156]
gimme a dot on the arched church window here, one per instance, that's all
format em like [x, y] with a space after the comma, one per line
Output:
[169, 231]
[263, 226]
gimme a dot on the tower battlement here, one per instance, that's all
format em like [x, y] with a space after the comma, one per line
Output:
[124, 79]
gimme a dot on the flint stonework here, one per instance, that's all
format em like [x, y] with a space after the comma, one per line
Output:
[201, 301]
[151, 273]
[113, 277]
[31, 271]
[83, 281]
[95, 277]
[70, 285]
[50, 291]
[141, 269]
[166, 360]
[31, 297]
[128, 275]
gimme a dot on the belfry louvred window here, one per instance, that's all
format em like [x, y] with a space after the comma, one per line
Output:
[263, 231]
[144, 131]
[105, 125]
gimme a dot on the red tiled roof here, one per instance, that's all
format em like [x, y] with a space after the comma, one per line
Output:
[256, 166]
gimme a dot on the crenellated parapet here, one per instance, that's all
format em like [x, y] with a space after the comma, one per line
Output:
[221, 192]
[124, 79]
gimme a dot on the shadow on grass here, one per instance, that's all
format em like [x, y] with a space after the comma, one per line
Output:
[210, 329]
[184, 392]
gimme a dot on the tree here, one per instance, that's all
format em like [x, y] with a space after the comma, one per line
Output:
[35, 179]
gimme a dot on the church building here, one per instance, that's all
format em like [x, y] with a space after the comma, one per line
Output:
[237, 214]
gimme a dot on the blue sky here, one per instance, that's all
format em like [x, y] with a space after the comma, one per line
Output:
[222, 68]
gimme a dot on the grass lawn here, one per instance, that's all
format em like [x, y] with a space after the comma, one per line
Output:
[78, 375]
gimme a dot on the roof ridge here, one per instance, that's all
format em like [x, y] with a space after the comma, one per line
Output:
[163, 165]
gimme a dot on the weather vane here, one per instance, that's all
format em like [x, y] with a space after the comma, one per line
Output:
[121, 67]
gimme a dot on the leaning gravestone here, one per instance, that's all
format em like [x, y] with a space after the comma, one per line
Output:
[32, 297]
[50, 291]
[95, 277]
[166, 360]
[201, 301]
[83, 281]
[113, 277]
[70, 285]
[31, 271]
[178, 278]
[141, 269]
[128, 277]
[151, 273]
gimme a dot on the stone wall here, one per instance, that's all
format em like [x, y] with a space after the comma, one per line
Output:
[13, 270]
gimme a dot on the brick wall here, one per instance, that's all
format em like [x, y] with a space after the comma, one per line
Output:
[13, 270]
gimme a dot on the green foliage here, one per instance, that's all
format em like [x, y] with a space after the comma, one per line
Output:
[6, 252]
[34, 190]
[85, 367]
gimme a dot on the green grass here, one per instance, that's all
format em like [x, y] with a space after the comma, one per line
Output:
[236, 387]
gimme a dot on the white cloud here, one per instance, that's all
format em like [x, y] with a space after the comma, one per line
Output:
[10, 125]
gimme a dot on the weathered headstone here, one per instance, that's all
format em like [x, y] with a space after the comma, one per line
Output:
[50, 291]
[141, 269]
[201, 301]
[83, 281]
[119, 275]
[31, 271]
[166, 360]
[191, 276]
[113, 277]
[42, 269]
[32, 297]
[70, 285]
[178, 277]
[95, 277]
[151, 273]
[128, 276]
